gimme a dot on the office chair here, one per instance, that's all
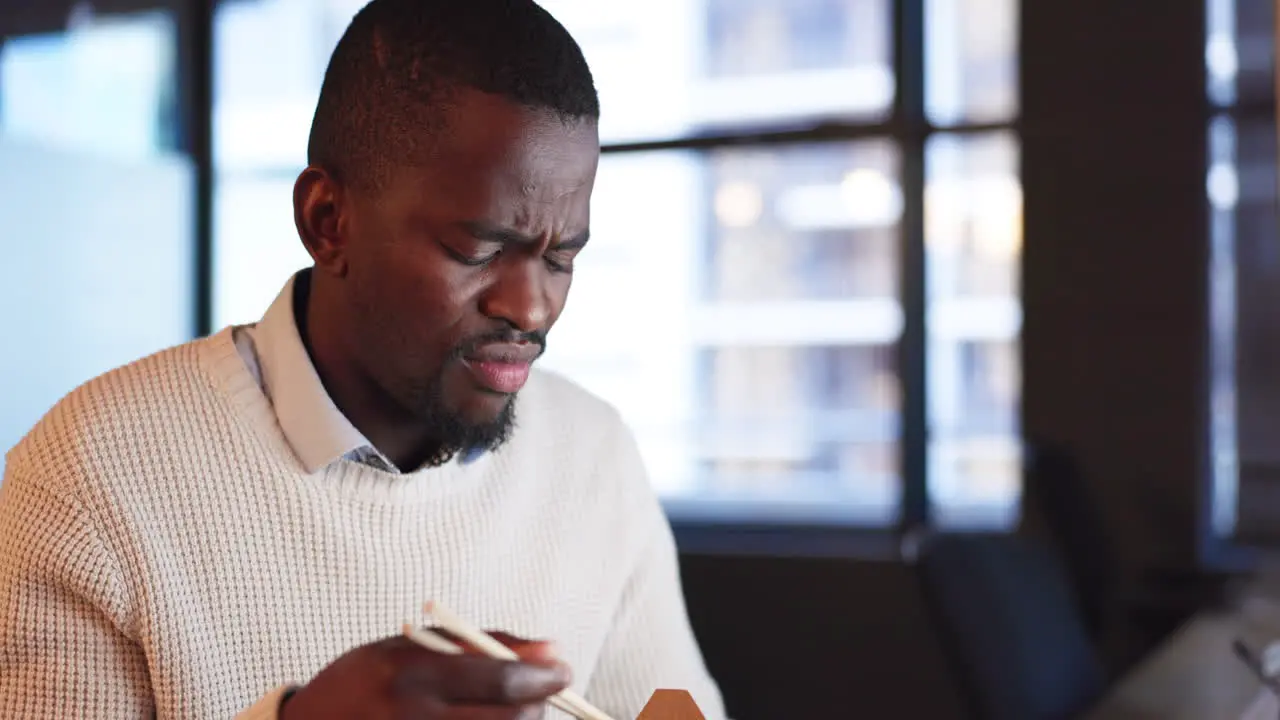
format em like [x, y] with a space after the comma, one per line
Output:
[1010, 627]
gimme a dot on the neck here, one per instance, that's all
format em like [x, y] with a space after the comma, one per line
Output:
[386, 425]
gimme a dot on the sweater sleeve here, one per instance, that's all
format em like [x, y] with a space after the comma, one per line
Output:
[63, 653]
[651, 645]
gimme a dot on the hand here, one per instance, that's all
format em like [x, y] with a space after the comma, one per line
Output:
[396, 678]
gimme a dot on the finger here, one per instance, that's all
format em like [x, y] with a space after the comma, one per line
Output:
[436, 708]
[488, 712]
[474, 679]
[540, 652]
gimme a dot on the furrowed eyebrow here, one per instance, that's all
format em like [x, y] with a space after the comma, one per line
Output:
[494, 233]
[576, 242]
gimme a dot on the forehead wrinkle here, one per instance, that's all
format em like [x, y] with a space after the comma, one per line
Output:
[546, 185]
[541, 221]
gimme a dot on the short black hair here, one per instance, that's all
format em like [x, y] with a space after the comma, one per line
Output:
[399, 62]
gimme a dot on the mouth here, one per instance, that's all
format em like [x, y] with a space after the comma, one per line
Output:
[504, 378]
[502, 368]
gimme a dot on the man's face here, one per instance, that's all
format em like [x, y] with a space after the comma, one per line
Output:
[458, 268]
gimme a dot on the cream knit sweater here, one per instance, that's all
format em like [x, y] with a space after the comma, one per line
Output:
[163, 552]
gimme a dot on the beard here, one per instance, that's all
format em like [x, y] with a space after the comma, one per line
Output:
[455, 433]
[427, 403]
[423, 400]
[393, 355]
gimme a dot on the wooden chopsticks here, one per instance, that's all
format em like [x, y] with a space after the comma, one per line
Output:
[567, 700]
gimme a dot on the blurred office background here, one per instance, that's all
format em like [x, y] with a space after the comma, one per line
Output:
[891, 250]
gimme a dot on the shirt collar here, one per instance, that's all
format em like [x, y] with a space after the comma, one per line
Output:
[314, 426]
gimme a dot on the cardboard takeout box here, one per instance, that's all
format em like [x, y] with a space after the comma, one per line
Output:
[671, 705]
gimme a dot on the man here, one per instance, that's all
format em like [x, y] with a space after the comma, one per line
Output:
[239, 525]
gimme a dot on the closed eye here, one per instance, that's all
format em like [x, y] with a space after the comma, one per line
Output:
[475, 262]
[560, 258]
[472, 252]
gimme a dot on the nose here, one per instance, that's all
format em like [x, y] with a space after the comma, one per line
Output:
[519, 296]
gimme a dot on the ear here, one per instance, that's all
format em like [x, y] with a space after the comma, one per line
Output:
[318, 214]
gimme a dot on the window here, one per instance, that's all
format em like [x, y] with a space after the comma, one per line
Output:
[97, 200]
[1244, 269]
[777, 339]
[773, 340]
[973, 235]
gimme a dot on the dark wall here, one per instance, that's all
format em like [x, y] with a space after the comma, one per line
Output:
[1115, 261]
[1116, 273]
[1256, 244]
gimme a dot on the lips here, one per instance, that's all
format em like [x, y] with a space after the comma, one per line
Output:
[499, 377]
[502, 368]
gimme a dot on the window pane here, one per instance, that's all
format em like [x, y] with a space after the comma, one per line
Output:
[1223, 186]
[669, 67]
[1243, 195]
[974, 236]
[1244, 271]
[95, 199]
[266, 82]
[1240, 51]
[265, 88]
[971, 60]
[1254, 51]
[256, 244]
[1221, 57]
[760, 380]
[663, 67]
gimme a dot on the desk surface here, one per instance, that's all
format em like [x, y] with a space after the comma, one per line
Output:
[1193, 676]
